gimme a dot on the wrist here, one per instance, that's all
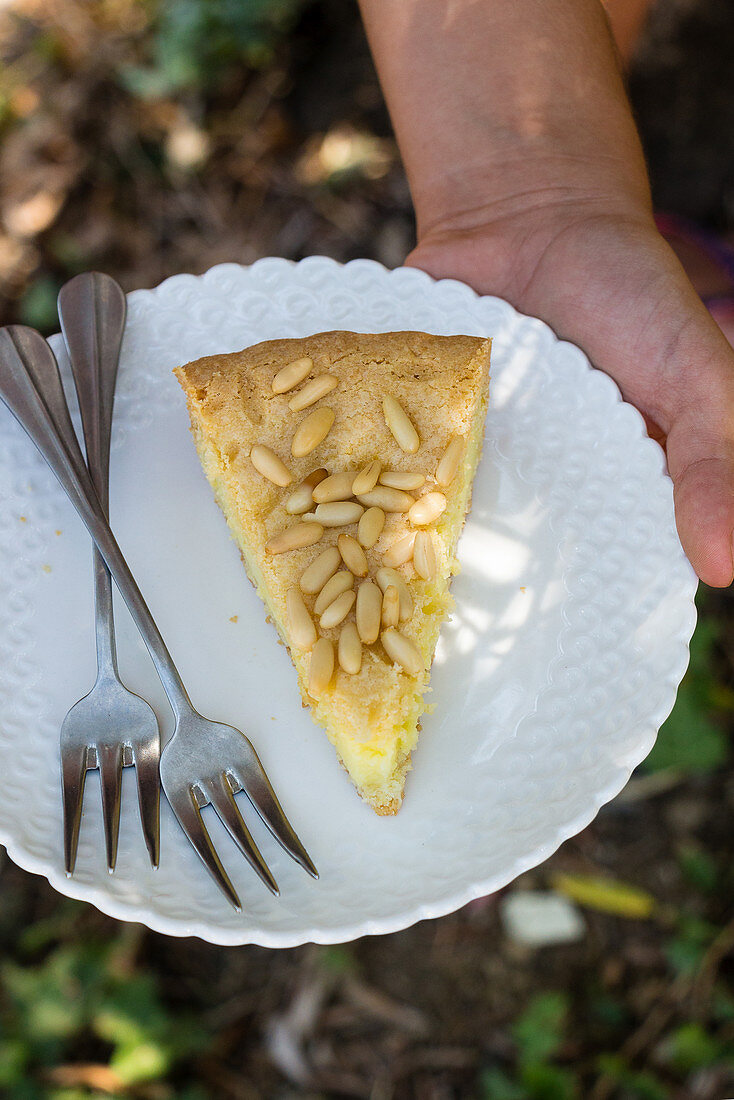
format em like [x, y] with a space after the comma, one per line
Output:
[529, 185]
[501, 106]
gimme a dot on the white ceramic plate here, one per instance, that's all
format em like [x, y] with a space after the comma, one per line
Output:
[574, 612]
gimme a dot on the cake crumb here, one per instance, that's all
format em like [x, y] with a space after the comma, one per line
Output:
[46, 568]
[522, 587]
[22, 519]
[234, 618]
[57, 532]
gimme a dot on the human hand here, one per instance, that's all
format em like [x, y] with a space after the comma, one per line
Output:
[528, 182]
[608, 282]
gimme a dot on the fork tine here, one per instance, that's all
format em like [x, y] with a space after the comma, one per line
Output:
[224, 803]
[190, 820]
[256, 785]
[109, 758]
[145, 758]
[73, 776]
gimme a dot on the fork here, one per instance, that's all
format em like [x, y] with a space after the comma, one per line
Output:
[205, 761]
[110, 727]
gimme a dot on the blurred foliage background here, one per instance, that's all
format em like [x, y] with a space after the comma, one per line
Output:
[147, 137]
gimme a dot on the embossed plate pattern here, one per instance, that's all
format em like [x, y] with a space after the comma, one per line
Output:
[574, 613]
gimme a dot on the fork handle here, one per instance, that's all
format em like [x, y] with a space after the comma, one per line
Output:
[92, 309]
[31, 388]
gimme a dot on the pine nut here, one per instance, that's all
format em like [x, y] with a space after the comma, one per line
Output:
[391, 606]
[448, 466]
[302, 629]
[400, 425]
[312, 392]
[290, 376]
[321, 669]
[424, 556]
[312, 431]
[390, 500]
[294, 538]
[267, 463]
[350, 649]
[353, 555]
[401, 479]
[427, 509]
[320, 571]
[301, 500]
[337, 611]
[370, 527]
[369, 612]
[338, 513]
[366, 479]
[400, 551]
[385, 577]
[339, 583]
[404, 652]
[336, 487]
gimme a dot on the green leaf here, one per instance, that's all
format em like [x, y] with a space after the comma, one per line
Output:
[643, 1086]
[13, 1061]
[337, 959]
[723, 1005]
[689, 741]
[539, 1031]
[130, 1013]
[607, 895]
[496, 1085]
[38, 304]
[196, 42]
[686, 950]
[60, 925]
[608, 1010]
[699, 867]
[637, 1085]
[144, 82]
[48, 999]
[544, 1082]
[143, 1062]
[703, 644]
[50, 1012]
[690, 1047]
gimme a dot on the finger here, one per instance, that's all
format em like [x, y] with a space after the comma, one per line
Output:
[704, 504]
[700, 450]
[652, 333]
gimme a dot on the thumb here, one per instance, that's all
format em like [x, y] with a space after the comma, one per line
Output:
[676, 366]
[698, 418]
[701, 463]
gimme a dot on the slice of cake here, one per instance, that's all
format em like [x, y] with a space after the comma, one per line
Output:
[343, 463]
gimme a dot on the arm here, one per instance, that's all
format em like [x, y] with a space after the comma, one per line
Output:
[528, 181]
